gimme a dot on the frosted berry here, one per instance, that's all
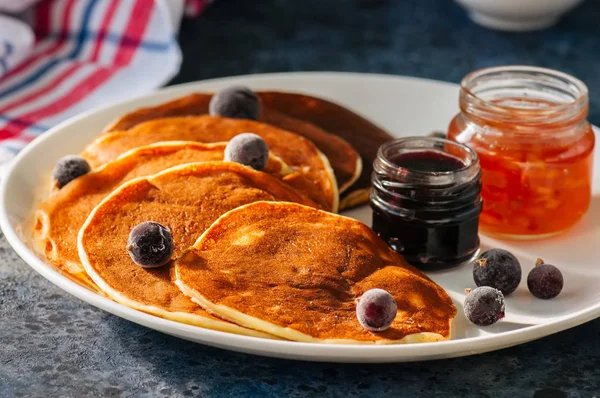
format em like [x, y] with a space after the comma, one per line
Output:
[150, 244]
[499, 269]
[248, 149]
[376, 310]
[235, 102]
[545, 281]
[484, 306]
[69, 168]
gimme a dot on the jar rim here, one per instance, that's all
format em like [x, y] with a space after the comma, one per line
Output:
[433, 178]
[580, 95]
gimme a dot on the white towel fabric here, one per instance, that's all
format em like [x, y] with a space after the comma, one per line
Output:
[73, 55]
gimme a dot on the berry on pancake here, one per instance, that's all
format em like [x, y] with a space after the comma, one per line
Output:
[236, 102]
[376, 310]
[150, 244]
[297, 272]
[248, 149]
[69, 168]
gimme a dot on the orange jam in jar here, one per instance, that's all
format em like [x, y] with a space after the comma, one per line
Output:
[528, 126]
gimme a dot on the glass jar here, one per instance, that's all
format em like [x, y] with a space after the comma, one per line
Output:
[425, 200]
[528, 126]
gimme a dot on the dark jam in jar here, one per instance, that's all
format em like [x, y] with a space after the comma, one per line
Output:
[426, 200]
[427, 161]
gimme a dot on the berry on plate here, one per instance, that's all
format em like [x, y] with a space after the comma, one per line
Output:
[545, 281]
[499, 269]
[484, 306]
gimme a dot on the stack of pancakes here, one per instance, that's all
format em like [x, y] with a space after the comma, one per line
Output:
[259, 253]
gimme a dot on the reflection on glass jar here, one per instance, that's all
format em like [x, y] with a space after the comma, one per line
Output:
[528, 126]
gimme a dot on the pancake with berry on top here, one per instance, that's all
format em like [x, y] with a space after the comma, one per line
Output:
[240, 102]
[312, 173]
[307, 275]
[78, 189]
[132, 265]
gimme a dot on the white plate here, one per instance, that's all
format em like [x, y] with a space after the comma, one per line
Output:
[403, 106]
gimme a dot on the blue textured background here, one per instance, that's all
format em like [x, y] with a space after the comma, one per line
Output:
[54, 345]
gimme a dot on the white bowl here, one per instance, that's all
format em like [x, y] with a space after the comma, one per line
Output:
[517, 15]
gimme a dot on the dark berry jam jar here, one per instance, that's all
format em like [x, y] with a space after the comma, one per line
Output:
[426, 200]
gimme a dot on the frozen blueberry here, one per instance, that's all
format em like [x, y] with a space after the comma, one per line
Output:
[376, 310]
[150, 244]
[484, 306]
[499, 269]
[545, 281]
[248, 149]
[236, 102]
[69, 168]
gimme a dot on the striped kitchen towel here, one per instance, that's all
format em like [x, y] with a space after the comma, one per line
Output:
[81, 54]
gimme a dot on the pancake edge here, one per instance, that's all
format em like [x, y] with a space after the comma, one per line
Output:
[183, 317]
[248, 321]
[285, 169]
[355, 198]
[93, 159]
[335, 204]
[357, 172]
[252, 322]
[64, 266]
[35, 244]
[342, 188]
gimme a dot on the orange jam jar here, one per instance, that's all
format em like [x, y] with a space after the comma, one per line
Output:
[528, 126]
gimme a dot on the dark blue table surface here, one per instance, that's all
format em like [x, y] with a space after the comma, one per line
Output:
[52, 344]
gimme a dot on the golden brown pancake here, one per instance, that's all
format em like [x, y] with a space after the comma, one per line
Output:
[355, 198]
[295, 272]
[360, 133]
[345, 161]
[59, 218]
[187, 199]
[297, 152]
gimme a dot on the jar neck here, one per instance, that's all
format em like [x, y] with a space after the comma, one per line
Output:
[427, 195]
[385, 167]
[523, 99]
